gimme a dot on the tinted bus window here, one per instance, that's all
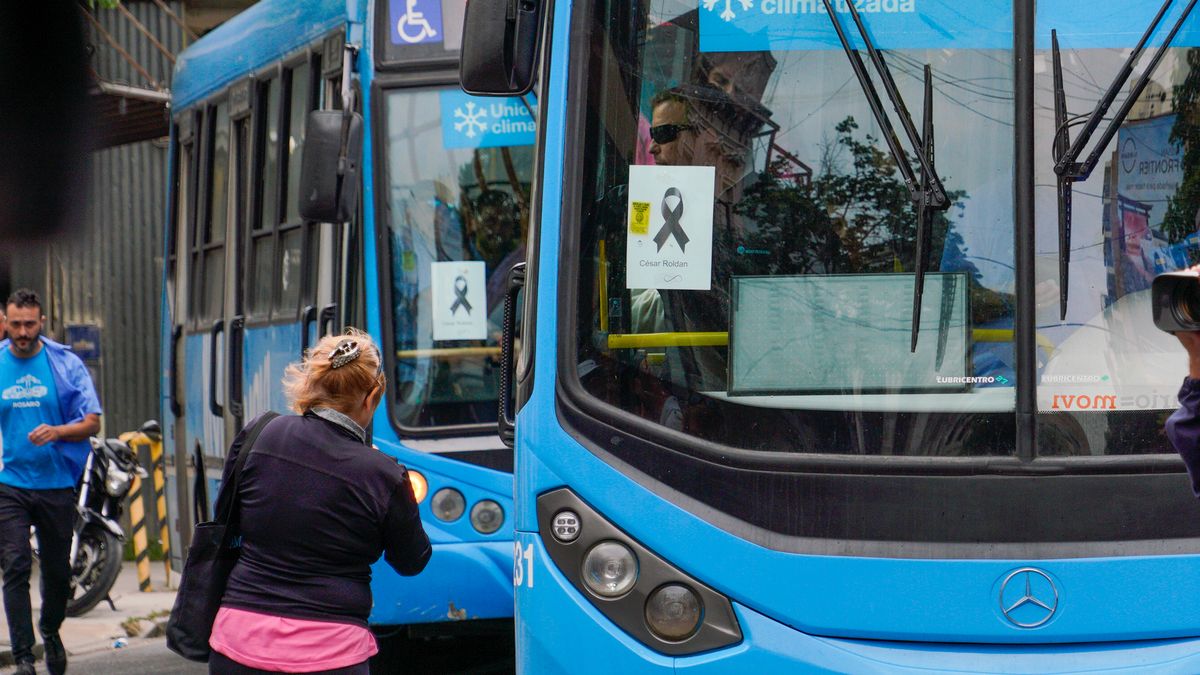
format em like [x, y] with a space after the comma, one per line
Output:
[289, 269]
[270, 172]
[1109, 378]
[262, 239]
[218, 211]
[458, 203]
[748, 246]
[209, 257]
[301, 87]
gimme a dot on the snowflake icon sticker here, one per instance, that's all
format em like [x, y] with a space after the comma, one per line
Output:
[473, 122]
[727, 14]
[470, 119]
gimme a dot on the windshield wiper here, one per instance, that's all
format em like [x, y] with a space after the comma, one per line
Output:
[925, 220]
[927, 192]
[949, 288]
[1067, 152]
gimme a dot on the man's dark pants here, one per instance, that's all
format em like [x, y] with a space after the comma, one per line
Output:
[52, 512]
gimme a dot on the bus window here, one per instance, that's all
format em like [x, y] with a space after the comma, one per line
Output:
[181, 217]
[261, 265]
[1107, 378]
[748, 245]
[300, 101]
[298, 108]
[289, 269]
[208, 256]
[458, 171]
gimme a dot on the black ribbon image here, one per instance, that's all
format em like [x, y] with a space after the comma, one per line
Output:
[460, 293]
[671, 225]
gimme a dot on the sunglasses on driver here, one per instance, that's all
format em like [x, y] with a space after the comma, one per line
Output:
[667, 133]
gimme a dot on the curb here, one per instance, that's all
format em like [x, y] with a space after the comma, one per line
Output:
[6, 655]
[156, 629]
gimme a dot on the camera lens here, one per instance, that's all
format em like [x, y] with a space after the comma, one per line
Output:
[1186, 299]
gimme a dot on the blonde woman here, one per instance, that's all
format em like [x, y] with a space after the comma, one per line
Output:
[318, 505]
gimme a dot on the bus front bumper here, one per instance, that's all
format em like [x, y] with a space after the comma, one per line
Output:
[462, 581]
[559, 631]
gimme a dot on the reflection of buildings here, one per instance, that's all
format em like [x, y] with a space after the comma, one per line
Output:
[1141, 177]
[1143, 138]
[1153, 102]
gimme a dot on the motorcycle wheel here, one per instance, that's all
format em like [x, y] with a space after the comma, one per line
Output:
[96, 569]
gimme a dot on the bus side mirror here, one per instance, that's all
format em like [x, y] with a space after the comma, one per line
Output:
[330, 167]
[500, 46]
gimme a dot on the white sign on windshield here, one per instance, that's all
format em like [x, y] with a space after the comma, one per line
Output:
[459, 300]
[670, 221]
[850, 334]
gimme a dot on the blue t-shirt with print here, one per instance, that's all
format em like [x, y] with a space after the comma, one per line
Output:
[28, 398]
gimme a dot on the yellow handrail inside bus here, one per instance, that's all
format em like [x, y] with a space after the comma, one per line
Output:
[1006, 335]
[647, 340]
[447, 353]
[721, 339]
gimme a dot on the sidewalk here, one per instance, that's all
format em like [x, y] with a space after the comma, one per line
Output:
[99, 628]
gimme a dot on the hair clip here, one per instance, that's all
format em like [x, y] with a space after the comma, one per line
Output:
[345, 352]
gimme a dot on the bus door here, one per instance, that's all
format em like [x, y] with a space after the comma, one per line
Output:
[184, 167]
[213, 184]
[201, 445]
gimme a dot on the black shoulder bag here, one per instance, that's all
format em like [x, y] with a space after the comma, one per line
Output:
[209, 561]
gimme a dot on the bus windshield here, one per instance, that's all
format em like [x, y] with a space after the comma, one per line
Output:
[457, 200]
[1112, 378]
[748, 244]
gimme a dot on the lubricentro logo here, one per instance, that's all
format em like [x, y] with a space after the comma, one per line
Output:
[1083, 402]
[982, 379]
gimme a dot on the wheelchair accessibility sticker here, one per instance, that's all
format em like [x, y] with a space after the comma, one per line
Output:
[476, 122]
[416, 22]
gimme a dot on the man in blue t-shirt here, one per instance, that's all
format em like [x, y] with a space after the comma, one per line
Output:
[48, 409]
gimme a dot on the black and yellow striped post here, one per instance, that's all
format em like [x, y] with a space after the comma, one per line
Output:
[158, 462]
[137, 516]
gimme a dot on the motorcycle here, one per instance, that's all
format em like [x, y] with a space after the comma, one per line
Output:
[97, 546]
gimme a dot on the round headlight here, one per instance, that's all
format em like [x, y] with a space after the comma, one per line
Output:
[673, 612]
[610, 569]
[487, 516]
[448, 504]
[117, 481]
[420, 486]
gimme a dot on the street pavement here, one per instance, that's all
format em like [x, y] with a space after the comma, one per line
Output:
[97, 630]
[90, 640]
[142, 657]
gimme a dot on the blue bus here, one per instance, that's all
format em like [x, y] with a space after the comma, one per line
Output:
[252, 277]
[839, 353]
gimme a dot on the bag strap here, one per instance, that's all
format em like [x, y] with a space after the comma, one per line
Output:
[227, 501]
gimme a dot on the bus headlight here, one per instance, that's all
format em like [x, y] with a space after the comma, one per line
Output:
[420, 486]
[658, 604]
[448, 504]
[487, 516]
[610, 569]
[673, 612]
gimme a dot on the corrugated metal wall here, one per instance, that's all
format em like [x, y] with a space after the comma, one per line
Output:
[108, 62]
[109, 271]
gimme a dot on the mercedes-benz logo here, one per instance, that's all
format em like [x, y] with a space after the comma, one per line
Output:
[1028, 597]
